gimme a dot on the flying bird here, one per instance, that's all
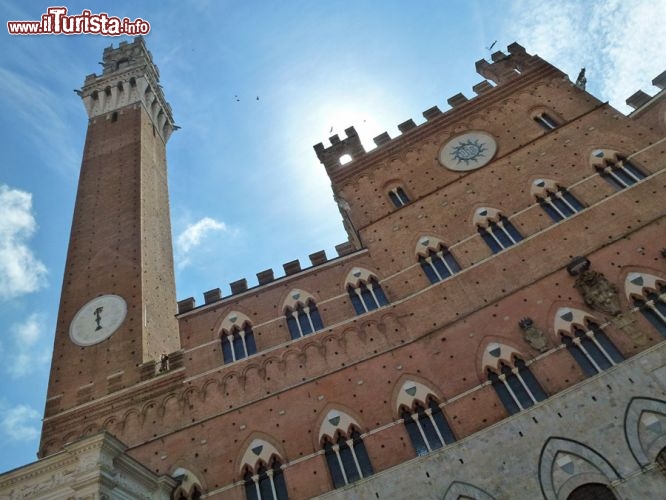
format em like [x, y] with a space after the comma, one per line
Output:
[491, 45]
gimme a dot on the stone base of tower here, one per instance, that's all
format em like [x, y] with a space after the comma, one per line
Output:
[93, 468]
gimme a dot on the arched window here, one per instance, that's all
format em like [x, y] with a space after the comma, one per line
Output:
[589, 345]
[262, 472]
[398, 197]
[424, 420]
[237, 338]
[592, 491]
[556, 201]
[302, 314]
[495, 229]
[427, 427]
[435, 259]
[346, 458]
[547, 122]
[617, 170]
[364, 291]
[648, 293]
[516, 387]
[189, 487]
[345, 452]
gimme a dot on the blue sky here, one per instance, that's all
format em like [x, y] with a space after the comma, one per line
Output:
[247, 191]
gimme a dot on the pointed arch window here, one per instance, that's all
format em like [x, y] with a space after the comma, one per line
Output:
[262, 472]
[616, 169]
[555, 200]
[237, 338]
[345, 452]
[364, 291]
[424, 420]
[302, 315]
[496, 230]
[588, 345]
[648, 293]
[398, 196]
[511, 378]
[436, 260]
[427, 427]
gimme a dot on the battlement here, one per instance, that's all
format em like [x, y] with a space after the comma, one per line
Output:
[129, 76]
[503, 68]
[266, 277]
[351, 145]
[639, 98]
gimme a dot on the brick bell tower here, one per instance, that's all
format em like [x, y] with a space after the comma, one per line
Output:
[118, 302]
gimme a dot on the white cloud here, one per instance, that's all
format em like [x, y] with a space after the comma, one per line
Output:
[20, 271]
[192, 237]
[20, 423]
[618, 42]
[28, 351]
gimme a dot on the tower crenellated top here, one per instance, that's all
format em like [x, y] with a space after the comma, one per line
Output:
[331, 156]
[129, 77]
[503, 67]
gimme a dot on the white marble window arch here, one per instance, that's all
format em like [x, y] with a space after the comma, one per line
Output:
[300, 310]
[261, 468]
[515, 385]
[586, 341]
[344, 450]
[424, 420]
[495, 229]
[556, 201]
[365, 292]
[435, 258]
[616, 169]
[648, 293]
[237, 337]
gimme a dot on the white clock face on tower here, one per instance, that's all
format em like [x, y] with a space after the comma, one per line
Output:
[97, 320]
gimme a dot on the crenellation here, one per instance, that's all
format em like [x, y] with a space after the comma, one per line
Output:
[502, 69]
[265, 276]
[291, 267]
[406, 126]
[382, 139]
[431, 113]
[344, 248]
[351, 145]
[498, 55]
[638, 99]
[238, 286]
[482, 87]
[186, 305]
[318, 258]
[506, 67]
[212, 295]
[129, 77]
[660, 81]
[457, 100]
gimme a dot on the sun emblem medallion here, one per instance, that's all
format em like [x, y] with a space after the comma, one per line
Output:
[469, 151]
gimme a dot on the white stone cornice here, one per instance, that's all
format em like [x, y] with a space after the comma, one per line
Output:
[129, 77]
